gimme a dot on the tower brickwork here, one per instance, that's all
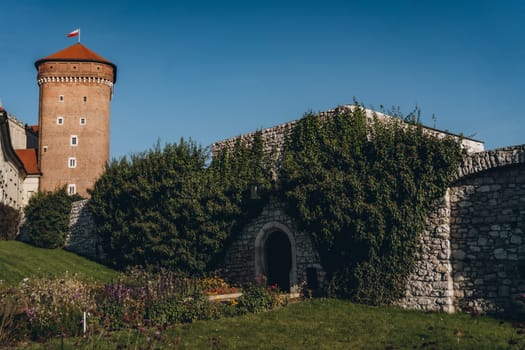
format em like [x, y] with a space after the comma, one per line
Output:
[76, 87]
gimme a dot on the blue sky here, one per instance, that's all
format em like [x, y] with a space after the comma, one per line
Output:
[211, 70]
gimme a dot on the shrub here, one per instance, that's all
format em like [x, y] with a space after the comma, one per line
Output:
[165, 311]
[54, 306]
[257, 297]
[9, 220]
[47, 218]
[44, 308]
[168, 208]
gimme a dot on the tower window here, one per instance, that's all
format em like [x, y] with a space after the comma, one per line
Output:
[72, 162]
[71, 189]
[82, 121]
[61, 98]
[85, 98]
[60, 120]
[74, 140]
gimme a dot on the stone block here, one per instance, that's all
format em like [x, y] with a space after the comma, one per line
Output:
[459, 254]
[504, 291]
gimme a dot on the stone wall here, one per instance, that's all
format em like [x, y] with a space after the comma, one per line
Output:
[430, 287]
[488, 238]
[81, 239]
[274, 138]
[472, 249]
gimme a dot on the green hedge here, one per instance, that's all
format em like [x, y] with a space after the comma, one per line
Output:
[47, 218]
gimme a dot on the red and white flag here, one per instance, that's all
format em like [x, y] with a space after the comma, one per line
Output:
[76, 32]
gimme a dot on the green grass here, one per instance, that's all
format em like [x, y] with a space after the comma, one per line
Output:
[19, 260]
[319, 324]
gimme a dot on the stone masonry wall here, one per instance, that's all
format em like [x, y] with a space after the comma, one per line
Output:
[274, 138]
[81, 239]
[472, 250]
[430, 286]
[488, 238]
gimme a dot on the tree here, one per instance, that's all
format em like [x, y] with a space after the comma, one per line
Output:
[172, 208]
[47, 218]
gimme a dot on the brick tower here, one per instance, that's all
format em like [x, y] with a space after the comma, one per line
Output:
[76, 86]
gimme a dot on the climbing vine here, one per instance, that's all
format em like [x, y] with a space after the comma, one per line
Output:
[363, 188]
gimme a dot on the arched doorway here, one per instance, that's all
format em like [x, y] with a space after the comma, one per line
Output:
[278, 260]
[275, 256]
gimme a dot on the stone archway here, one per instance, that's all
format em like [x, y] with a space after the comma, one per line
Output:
[275, 256]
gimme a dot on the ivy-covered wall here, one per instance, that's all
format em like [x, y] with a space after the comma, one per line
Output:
[446, 276]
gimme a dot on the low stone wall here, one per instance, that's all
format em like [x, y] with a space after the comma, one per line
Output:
[81, 239]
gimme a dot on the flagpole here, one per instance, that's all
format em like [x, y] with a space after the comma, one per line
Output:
[79, 35]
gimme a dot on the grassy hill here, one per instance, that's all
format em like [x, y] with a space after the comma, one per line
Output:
[19, 260]
[318, 324]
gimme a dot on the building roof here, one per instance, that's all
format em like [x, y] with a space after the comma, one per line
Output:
[33, 128]
[77, 53]
[29, 159]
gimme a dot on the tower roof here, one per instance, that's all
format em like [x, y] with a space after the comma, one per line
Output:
[77, 53]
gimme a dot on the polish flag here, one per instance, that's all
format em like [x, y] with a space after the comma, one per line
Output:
[76, 32]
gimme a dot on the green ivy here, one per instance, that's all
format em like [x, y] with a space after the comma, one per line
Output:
[363, 189]
[361, 186]
[172, 208]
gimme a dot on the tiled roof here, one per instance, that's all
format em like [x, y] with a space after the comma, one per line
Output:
[33, 128]
[29, 159]
[77, 52]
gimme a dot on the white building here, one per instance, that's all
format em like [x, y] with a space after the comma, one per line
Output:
[19, 173]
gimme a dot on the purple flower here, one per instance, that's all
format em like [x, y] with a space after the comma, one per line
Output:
[76, 296]
[31, 313]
